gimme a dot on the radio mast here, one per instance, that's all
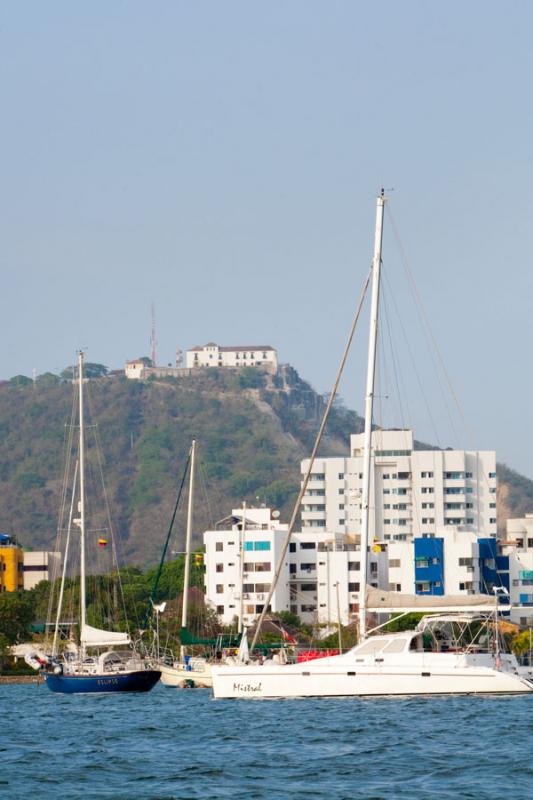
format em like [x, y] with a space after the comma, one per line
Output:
[153, 341]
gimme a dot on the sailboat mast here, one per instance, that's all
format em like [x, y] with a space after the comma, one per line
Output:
[241, 568]
[369, 405]
[82, 501]
[185, 606]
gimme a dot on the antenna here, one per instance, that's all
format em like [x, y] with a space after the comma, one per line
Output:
[153, 342]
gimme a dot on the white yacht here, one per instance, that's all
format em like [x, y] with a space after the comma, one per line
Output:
[455, 654]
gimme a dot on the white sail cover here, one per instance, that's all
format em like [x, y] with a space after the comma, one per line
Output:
[380, 600]
[94, 637]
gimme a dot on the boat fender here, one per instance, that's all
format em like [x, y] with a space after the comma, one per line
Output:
[57, 670]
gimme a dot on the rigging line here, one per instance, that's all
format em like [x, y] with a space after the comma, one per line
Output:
[318, 440]
[165, 548]
[114, 539]
[415, 370]
[425, 320]
[203, 483]
[67, 455]
[386, 315]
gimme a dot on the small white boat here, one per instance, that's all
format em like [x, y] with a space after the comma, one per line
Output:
[188, 673]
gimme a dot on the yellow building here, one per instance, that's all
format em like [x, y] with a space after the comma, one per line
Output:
[11, 565]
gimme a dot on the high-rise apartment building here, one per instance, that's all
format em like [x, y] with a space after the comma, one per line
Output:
[413, 493]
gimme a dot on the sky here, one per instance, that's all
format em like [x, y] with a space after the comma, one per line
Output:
[222, 161]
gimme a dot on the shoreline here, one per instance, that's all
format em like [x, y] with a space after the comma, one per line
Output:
[14, 679]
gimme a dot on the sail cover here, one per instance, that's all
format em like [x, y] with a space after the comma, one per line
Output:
[94, 637]
[380, 600]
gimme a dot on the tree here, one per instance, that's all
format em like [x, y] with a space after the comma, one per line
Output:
[16, 616]
[90, 370]
[47, 379]
[20, 380]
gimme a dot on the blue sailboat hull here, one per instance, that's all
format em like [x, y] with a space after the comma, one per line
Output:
[138, 681]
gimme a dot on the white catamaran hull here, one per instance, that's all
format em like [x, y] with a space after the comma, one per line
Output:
[179, 675]
[454, 675]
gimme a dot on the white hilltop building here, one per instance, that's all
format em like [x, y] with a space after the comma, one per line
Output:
[214, 355]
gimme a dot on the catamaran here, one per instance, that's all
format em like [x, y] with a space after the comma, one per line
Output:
[103, 660]
[457, 651]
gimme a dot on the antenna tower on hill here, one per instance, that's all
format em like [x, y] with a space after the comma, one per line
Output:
[153, 341]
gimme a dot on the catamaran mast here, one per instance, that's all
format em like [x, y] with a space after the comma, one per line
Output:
[369, 404]
[82, 503]
[185, 606]
[241, 568]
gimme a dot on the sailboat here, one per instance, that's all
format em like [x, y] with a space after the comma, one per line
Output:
[457, 651]
[104, 661]
[187, 671]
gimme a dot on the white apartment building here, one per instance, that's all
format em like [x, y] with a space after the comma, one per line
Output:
[213, 355]
[39, 566]
[413, 493]
[518, 548]
[314, 563]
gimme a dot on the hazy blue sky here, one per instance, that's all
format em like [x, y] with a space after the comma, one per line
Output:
[222, 159]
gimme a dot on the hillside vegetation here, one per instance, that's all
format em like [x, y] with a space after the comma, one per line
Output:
[252, 429]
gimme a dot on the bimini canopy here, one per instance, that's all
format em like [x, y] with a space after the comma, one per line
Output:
[378, 600]
[94, 637]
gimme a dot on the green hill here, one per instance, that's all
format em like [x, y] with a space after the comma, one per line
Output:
[252, 430]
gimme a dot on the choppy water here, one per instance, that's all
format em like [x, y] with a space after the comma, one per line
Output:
[172, 744]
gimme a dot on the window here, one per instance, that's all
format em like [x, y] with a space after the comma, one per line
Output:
[492, 491]
[428, 520]
[386, 521]
[469, 520]
[219, 568]
[341, 522]
[307, 567]
[354, 566]
[386, 476]
[404, 476]
[292, 547]
[427, 490]
[219, 546]
[469, 505]
[428, 505]
[395, 562]
[466, 562]
[492, 505]
[341, 491]
[307, 545]
[373, 568]
[493, 520]
[386, 505]
[262, 588]
[492, 474]
[454, 476]
[261, 545]
[247, 588]
[220, 609]
[307, 587]
[292, 569]
[318, 476]
[263, 566]
[219, 589]
[341, 476]
[468, 474]
[530, 542]
[341, 506]
[386, 491]
[353, 587]
[426, 474]
[306, 609]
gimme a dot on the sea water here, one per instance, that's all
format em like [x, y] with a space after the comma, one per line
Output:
[174, 743]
